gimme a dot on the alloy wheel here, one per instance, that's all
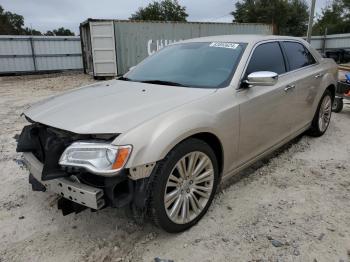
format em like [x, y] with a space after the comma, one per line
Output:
[189, 187]
[325, 113]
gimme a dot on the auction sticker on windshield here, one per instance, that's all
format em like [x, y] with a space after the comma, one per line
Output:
[224, 45]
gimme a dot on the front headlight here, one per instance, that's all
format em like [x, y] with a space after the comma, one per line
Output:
[98, 158]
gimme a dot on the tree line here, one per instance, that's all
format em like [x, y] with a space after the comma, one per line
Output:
[13, 24]
[288, 17]
[334, 19]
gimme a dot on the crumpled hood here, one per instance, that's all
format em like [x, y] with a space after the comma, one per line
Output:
[111, 107]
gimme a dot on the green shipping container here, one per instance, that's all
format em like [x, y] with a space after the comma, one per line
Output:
[111, 47]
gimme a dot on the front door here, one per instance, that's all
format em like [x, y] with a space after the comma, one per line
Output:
[265, 116]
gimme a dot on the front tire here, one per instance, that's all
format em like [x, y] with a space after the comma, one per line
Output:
[322, 116]
[184, 185]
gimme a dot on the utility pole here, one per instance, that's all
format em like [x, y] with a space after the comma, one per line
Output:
[311, 20]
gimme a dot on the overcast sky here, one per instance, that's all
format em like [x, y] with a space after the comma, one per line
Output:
[46, 15]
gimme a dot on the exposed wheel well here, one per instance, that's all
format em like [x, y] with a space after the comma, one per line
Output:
[331, 88]
[215, 144]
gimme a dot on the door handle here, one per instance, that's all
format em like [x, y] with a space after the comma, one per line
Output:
[318, 75]
[289, 87]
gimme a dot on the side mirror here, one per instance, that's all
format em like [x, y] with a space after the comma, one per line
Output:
[262, 78]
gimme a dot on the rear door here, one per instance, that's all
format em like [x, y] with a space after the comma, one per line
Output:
[305, 76]
[264, 110]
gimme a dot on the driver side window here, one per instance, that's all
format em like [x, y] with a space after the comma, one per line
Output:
[267, 57]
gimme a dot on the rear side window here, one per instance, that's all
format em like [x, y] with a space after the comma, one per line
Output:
[267, 57]
[298, 56]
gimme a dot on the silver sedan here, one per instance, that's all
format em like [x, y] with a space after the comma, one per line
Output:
[161, 138]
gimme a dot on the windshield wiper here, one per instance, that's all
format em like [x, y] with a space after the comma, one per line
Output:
[162, 82]
[124, 78]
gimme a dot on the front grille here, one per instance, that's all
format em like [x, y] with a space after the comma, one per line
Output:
[47, 144]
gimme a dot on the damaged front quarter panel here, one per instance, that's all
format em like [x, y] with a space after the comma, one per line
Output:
[142, 171]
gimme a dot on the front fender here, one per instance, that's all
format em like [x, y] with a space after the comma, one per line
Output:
[153, 140]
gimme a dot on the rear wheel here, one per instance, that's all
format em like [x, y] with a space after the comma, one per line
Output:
[184, 186]
[337, 105]
[322, 117]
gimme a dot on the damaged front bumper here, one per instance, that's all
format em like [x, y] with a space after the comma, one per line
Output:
[42, 147]
[74, 191]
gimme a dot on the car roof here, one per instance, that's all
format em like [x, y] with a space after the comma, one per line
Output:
[250, 39]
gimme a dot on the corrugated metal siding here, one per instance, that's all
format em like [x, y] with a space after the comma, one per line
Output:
[13, 47]
[331, 41]
[58, 63]
[136, 40]
[18, 64]
[39, 53]
[71, 46]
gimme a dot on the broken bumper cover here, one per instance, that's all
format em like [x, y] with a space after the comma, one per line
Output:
[79, 193]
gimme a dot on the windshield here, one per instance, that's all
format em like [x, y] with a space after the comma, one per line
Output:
[190, 64]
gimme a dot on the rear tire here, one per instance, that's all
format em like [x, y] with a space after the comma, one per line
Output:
[337, 105]
[181, 192]
[322, 116]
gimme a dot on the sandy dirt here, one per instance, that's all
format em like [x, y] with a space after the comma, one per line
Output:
[294, 206]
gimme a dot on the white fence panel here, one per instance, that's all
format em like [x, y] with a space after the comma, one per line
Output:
[20, 54]
[16, 64]
[338, 41]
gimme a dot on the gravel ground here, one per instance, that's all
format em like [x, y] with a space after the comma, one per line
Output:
[294, 206]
